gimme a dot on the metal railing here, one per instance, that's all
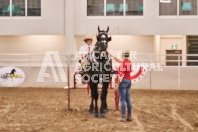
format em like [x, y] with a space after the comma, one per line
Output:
[35, 60]
[32, 58]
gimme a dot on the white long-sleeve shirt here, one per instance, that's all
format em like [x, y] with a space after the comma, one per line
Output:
[85, 49]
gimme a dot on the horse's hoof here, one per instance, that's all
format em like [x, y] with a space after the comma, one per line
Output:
[106, 111]
[96, 115]
[90, 112]
[102, 116]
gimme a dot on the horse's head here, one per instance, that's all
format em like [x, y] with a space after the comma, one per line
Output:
[103, 35]
[102, 40]
[13, 71]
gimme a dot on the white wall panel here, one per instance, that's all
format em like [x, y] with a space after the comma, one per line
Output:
[50, 23]
[189, 77]
[166, 79]
[150, 24]
[53, 18]
[34, 44]
[141, 44]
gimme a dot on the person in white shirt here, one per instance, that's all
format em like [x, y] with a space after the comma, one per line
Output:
[85, 49]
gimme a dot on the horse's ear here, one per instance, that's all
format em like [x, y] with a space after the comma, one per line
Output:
[107, 29]
[109, 39]
[98, 28]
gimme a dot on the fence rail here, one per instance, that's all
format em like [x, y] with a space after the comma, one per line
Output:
[149, 58]
[180, 76]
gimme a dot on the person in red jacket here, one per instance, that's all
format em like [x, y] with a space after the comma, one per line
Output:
[124, 83]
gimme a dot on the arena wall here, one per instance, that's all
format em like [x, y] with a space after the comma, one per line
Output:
[32, 44]
[141, 44]
[171, 78]
[25, 50]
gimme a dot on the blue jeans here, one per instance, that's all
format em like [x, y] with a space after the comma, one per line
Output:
[124, 93]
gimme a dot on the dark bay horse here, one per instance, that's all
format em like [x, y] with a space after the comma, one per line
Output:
[99, 67]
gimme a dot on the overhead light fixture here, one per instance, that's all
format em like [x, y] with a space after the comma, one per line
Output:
[165, 1]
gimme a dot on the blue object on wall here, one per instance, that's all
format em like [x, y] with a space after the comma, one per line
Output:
[110, 7]
[121, 7]
[187, 6]
[140, 8]
[7, 9]
[17, 10]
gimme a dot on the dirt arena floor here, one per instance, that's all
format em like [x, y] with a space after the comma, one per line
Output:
[41, 110]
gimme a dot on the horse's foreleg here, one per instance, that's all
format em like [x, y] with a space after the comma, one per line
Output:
[103, 108]
[105, 100]
[94, 92]
[92, 104]
[96, 102]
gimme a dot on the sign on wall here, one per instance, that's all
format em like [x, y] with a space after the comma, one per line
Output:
[174, 47]
[138, 74]
[11, 76]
